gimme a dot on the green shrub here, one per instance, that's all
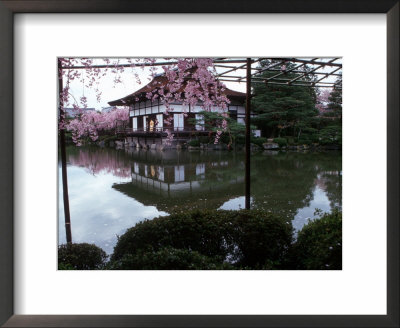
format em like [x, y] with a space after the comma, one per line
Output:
[314, 138]
[204, 139]
[331, 135]
[81, 257]
[225, 138]
[194, 143]
[168, 258]
[259, 141]
[65, 266]
[290, 140]
[246, 239]
[319, 244]
[282, 142]
[240, 140]
[304, 140]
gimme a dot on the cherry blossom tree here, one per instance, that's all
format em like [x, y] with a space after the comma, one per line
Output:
[323, 100]
[189, 81]
[90, 123]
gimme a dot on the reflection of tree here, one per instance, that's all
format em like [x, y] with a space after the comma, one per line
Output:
[333, 183]
[330, 171]
[100, 160]
[182, 201]
[285, 182]
[281, 183]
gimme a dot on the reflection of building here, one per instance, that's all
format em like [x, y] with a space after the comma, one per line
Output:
[178, 178]
[184, 183]
[147, 117]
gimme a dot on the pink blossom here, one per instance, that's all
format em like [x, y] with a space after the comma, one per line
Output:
[190, 81]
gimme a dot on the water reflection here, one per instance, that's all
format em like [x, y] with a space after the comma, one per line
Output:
[296, 184]
[177, 181]
[100, 160]
[111, 190]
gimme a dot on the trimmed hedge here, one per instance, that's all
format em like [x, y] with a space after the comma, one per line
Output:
[194, 143]
[81, 257]
[167, 258]
[282, 142]
[304, 140]
[216, 240]
[204, 139]
[243, 239]
[319, 244]
[259, 141]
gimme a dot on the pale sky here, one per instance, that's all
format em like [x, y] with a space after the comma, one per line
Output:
[112, 91]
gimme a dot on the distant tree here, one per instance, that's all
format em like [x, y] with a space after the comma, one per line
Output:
[283, 109]
[331, 120]
[221, 124]
[334, 107]
[323, 99]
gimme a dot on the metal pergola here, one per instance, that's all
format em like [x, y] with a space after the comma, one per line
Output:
[320, 72]
[313, 72]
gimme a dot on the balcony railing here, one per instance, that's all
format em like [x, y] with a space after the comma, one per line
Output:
[158, 130]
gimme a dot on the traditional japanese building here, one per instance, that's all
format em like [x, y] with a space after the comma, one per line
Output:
[147, 118]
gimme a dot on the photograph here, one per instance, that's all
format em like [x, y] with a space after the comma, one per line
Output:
[199, 163]
[188, 164]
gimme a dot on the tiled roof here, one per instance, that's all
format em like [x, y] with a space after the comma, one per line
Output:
[157, 82]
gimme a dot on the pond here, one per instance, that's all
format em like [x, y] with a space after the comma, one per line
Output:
[111, 190]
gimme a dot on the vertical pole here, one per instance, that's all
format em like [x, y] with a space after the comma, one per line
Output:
[63, 156]
[247, 167]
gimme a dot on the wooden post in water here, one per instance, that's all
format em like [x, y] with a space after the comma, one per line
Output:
[247, 145]
[63, 155]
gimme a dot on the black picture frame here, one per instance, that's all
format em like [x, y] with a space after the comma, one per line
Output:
[10, 7]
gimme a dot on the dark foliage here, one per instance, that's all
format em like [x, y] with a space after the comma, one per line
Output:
[243, 239]
[194, 143]
[168, 258]
[282, 142]
[282, 108]
[319, 244]
[81, 257]
[258, 141]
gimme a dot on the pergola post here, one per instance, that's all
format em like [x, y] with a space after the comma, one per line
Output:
[63, 155]
[248, 134]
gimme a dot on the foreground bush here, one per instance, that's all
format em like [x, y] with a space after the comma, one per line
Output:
[211, 239]
[167, 258]
[80, 257]
[319, 244]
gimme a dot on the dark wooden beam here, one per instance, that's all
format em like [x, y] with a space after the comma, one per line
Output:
[63, 156]
[248, 134]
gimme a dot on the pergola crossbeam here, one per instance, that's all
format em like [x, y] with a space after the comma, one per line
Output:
[316, 67]
[236, 73]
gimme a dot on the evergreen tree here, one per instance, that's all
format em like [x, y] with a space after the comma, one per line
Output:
[283, 109]
[331, 121]
[334, 108]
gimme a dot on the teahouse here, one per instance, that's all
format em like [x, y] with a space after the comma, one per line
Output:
[147, 117]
